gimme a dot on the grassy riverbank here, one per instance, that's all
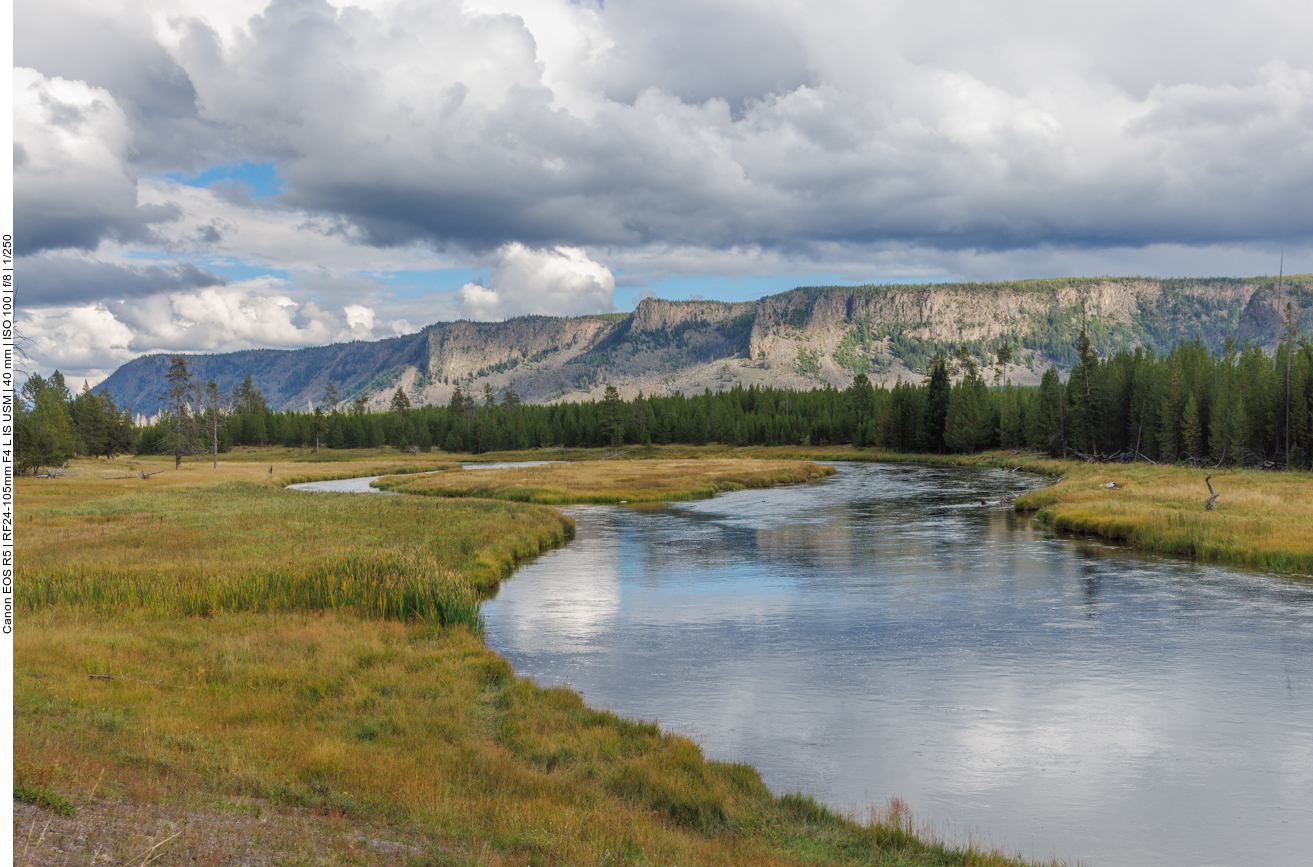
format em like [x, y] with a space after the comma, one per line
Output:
[613, 481]
[1260, 519]
[199, 677]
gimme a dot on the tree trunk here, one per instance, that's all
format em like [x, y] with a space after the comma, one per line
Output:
[1208, 507]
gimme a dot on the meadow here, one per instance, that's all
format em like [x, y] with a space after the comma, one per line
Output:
[210, 669]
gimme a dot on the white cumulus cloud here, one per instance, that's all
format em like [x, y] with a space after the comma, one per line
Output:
[559, 281]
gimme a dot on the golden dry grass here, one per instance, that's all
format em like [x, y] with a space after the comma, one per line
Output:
[1261, 519]
[89, 478]
[614, 481]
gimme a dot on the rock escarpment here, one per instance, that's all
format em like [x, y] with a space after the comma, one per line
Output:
[798, 339]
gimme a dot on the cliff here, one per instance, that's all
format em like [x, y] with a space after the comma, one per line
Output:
[799, 339]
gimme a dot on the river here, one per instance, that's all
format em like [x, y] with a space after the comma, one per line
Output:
[884, 633]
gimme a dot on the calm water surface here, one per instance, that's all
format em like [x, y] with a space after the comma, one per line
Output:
[883, 633]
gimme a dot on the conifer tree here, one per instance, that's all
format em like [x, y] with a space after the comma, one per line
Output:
[1192, 436]
[179, 395]
[934, 413]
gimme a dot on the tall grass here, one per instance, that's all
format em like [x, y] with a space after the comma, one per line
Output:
[387, 728]
[392, 584]
[198, 537]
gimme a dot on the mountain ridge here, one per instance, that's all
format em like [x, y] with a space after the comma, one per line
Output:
[805, 337]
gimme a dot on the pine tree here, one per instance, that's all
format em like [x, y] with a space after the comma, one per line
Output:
[612, 417]
[179, 394]
[45, 436]
[1192, 435]
[934, 414]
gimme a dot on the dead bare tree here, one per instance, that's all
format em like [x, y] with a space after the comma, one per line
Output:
[1208, 507]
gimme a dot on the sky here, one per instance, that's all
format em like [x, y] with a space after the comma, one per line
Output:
[210, 176]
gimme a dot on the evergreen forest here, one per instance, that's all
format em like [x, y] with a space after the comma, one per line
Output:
[1239, 407]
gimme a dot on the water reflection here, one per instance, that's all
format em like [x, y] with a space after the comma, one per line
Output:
[882, 632]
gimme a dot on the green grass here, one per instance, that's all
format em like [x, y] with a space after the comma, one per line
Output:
[204, 537]
[390, 584]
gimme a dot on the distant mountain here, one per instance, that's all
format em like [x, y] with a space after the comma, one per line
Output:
[800, 339]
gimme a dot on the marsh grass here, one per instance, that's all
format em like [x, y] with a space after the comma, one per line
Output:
[90, 478]
[229, 543]
[613, 481]
[390, 584]
[418, 729]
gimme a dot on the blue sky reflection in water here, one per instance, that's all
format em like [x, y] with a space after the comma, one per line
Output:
[882, 633]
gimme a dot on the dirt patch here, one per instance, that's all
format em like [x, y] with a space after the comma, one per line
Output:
[246, 832]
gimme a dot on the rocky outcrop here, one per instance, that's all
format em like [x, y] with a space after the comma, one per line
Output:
[458, 349]
[799, 339]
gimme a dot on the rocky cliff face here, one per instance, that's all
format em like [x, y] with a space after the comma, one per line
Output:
[798, 339]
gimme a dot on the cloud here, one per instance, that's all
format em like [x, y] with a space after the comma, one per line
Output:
[561, 140]
[88, 340]
[724, 125]
[561, 281]
[359, 317]
[52, 280]
[72, 186]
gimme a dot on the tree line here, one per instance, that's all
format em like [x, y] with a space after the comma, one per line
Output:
[1241, 406]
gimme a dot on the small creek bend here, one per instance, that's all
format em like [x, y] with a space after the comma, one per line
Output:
[882, 633]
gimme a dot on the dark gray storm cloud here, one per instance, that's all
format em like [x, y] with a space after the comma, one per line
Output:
[52, 281]
[716, 124]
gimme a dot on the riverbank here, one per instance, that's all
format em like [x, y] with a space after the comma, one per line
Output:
[291, 725]
[611, 481]
[1261, 518]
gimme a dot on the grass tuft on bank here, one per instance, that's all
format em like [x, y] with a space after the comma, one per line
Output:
[611, 481]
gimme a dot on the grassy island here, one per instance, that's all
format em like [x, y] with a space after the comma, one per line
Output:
[611, 481]
[210, 669]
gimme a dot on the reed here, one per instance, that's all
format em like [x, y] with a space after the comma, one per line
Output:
[390, 584]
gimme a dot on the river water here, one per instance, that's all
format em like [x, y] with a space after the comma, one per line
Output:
[884, 633]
